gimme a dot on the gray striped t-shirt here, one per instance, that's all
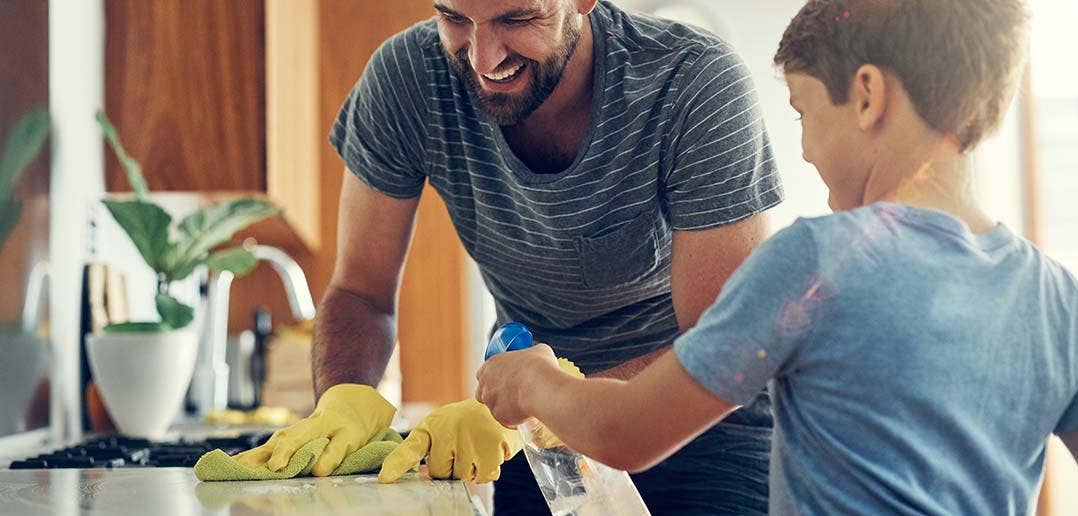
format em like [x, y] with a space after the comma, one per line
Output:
[676, 142]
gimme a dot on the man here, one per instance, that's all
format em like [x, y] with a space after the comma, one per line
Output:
[606, 171]
[900, 335]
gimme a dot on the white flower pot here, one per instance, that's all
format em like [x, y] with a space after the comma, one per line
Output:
[143, 377]
[23, 364]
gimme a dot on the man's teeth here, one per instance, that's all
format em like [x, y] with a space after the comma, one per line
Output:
[504, 74]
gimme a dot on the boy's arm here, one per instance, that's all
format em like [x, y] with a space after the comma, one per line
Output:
[628, 425]
[1060, 474]
[740, 343]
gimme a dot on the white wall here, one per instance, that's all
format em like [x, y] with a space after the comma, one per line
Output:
[76, 90]
[998, 177]
[754, 29]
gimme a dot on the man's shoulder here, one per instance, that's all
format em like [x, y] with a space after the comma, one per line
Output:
[411, 46]
[644, 34]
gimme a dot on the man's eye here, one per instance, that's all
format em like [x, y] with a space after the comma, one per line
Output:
[456, 20]
[517, 22]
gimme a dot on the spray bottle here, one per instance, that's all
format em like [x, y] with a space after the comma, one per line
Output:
[572, 483]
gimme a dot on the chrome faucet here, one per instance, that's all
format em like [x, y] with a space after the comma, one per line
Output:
[36, 286]
[209, 385]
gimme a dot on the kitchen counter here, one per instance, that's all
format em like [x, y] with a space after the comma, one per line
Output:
[175, 491]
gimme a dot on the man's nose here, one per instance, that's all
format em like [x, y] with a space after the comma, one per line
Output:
[486, 51]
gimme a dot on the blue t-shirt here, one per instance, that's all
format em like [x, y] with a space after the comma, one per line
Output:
[915, 367]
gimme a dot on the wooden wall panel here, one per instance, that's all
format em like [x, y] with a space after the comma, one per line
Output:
[24, 87]
[433, 303]
[292, 128]
[185, 86]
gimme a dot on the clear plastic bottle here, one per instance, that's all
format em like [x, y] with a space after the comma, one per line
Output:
[572, 483]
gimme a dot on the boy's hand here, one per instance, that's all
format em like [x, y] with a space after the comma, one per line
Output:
[507, 379]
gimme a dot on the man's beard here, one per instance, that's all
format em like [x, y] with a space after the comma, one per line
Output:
[508, 109]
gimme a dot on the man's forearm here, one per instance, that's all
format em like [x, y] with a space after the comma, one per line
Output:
[353, 340]
[631, 368]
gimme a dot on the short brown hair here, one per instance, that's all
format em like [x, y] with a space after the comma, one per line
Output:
[959, 60]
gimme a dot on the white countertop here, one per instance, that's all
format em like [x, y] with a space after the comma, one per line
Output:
[176, 491]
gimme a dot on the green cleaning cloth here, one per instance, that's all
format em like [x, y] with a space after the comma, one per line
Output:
[218, 465]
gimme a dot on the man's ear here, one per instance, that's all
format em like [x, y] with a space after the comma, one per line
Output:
[868, 96]
[585, 7]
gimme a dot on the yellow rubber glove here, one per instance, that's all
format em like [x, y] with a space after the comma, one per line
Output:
[569, 367]
[348, 414]
[462, 441]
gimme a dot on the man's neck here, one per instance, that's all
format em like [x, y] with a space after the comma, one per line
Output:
[549, 140]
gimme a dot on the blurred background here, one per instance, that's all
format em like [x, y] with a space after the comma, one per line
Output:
[221, 98]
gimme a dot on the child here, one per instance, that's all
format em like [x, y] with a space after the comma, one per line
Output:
[918, 353]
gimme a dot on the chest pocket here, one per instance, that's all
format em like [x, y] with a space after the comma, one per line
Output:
[621, 256]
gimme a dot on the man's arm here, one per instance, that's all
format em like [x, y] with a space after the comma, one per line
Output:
[356, 326]
[702, 261]
[1071, 440]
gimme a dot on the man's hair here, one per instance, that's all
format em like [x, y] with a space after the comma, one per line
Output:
[959, 60]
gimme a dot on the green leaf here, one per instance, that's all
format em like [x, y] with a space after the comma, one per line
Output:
[174, 313]
[24, 143]
[134, 171]
[9, 216]
[237, 260]
[213, 225]
[147, 225]
[182, 270]
[137, 327]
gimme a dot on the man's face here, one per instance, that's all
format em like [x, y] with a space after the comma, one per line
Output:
[510, 53]
[831, 141]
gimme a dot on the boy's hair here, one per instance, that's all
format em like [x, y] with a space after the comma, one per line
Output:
[959, 60]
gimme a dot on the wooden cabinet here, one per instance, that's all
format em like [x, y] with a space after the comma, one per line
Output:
[226, 97]
[435, 306]
[220, 97]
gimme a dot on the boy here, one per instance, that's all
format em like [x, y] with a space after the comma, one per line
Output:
[918, 353]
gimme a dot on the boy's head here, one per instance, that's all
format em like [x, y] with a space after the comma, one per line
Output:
[867, 74]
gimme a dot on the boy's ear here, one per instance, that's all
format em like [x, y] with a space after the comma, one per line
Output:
[868, 95]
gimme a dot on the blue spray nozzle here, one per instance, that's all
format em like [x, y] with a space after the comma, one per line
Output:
[510, 337]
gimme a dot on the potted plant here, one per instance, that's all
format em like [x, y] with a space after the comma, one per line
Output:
[23, 145]
[24, 351]
[143, 368]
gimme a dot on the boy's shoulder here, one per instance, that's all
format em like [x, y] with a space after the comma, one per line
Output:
[869, 215]
[847, 227]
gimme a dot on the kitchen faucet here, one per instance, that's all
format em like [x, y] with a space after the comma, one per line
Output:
[209, 385]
